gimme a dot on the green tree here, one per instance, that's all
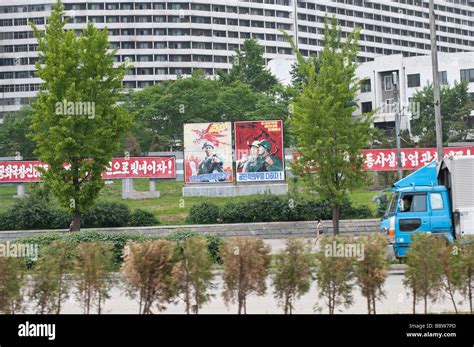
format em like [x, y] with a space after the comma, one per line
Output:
[452, 268]
[246, 262]
[14, 139]
[300, 71]
[147, 269]
[302, 67]
[335, 275]
[467, 268]
[424, 272]
[372, 271]
[193, 273]
[161, 110]
[456, 106]
[49, 287]
[293, 275]
[248, 66]
[93, 267]
[327, 136]
[77, 119]
[12, 280]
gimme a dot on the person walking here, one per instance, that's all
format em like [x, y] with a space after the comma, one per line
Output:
[319, 231]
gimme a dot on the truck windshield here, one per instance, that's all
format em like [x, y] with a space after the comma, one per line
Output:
[392, 203]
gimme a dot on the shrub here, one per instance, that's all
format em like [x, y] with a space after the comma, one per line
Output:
[35, 211]
[6, 221]
[361, 212]
[268, 208]
[214, 241]
[107, 214]
[117, 240]
[204, 213]
[39, 211]
[140, 218]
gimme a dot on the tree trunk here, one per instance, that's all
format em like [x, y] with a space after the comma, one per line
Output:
[414, 301]
[335, 219]
[373, 305]
[140, 302]
[99, 306]
[368, 304]
[426, 303]
[58, 309]
[240, 301]
[75, 222]
[469, 289]
[196, 301]
[187, 300]
[451, 295]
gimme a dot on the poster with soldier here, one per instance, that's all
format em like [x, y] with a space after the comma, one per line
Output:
[259, 151]
[208, 152]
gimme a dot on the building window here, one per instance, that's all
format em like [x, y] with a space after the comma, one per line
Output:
[443, 77]
[365, 86]
[467, 75]
[388, 83]
[366, 107]
[413, 80]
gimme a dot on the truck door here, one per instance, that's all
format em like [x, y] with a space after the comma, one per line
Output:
[441, 222]
[412, 216]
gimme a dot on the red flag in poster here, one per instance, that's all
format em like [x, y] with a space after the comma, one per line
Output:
[208, 152]
[259, 151]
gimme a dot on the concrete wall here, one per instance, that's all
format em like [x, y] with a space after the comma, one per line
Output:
[264, 230]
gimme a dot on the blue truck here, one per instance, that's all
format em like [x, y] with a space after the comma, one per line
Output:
[437, 199]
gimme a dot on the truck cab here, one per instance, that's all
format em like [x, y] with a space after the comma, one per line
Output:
[438, 200]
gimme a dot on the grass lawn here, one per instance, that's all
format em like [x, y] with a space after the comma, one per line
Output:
[171, 207]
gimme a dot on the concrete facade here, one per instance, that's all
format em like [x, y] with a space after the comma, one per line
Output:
[164, 39]
[413, 73]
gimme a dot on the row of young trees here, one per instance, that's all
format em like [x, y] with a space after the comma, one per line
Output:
[436, 269]
[88, 268]
[160, 272]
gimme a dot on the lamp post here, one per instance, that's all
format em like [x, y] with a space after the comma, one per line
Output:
[436, 93]
[396, 90]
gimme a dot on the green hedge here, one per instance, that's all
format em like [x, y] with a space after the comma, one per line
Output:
[118, 240]
[214, 241]
[38, 211]
[270, 208]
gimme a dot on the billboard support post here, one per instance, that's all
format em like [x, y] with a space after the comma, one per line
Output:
[129, 192]
[20, 190]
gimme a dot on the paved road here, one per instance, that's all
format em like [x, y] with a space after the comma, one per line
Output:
[396, 301]
[278, 245]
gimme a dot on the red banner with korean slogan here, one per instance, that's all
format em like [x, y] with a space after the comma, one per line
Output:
[208, 152]
[412, 158]
[259, 151]
[140, 167]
